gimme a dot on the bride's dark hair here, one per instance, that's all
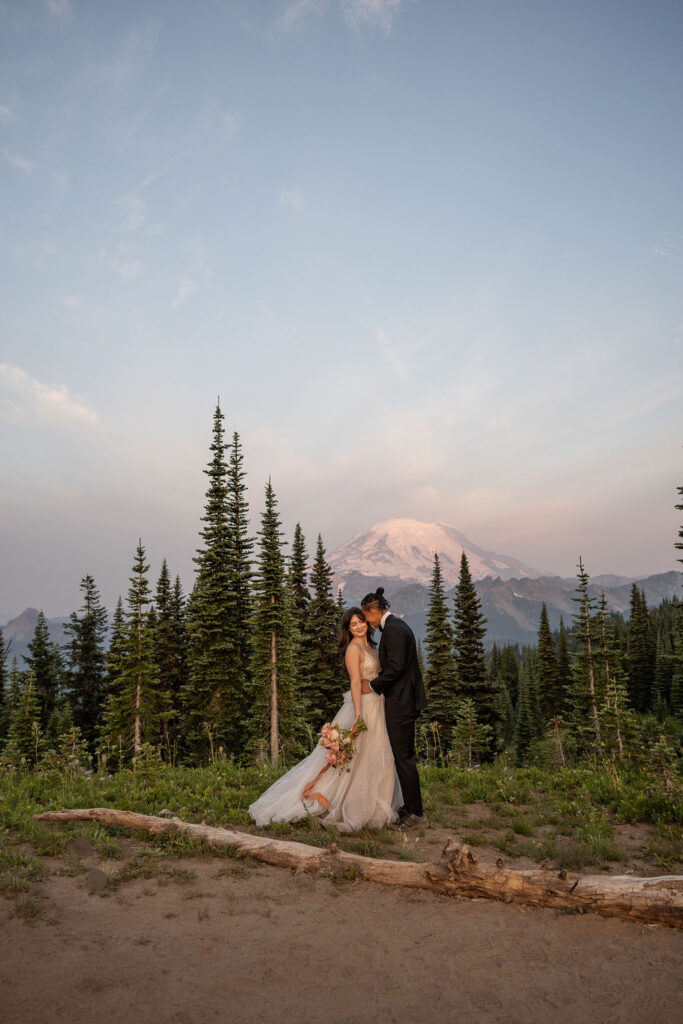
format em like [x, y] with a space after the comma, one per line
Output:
[376, 600]
[344, 634]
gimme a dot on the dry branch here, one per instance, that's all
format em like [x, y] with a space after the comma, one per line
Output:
[458, 873]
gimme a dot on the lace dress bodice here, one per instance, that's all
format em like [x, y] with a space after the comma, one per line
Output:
[369, 665]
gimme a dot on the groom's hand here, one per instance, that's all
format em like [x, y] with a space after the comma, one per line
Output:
[365, 686]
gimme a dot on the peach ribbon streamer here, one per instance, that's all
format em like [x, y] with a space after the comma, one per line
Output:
[307, 795]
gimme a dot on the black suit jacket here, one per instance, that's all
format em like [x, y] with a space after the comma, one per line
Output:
[400, 679]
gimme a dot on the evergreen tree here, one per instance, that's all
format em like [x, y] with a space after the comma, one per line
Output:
[640, 657]
[114, 661]
[136, 706]
[214, 698]
[298, 576]
[241, 556]
[470, 629]
[341, 607]
[676, 695]
[275, 707]
[499, 666]
[585, 698]
[505, 670]
[4, 696]
[87, 660]
[24, 740]
[69, 748]
[526, 723]
[16, 681]
[661, 683]
[46, 664]
[168, 640]
[470, 737]
[179, 616]
[550, 695]
[616, 717]
[441, 679]
[564, 669]
[297, 579]
[327, 684]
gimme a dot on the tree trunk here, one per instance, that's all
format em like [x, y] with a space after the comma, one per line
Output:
[457, 874]
[274, 724]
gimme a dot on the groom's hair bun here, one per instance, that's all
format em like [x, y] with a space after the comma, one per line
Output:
[375, 600]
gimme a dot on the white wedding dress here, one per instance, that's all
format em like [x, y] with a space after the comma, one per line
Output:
[368, 795]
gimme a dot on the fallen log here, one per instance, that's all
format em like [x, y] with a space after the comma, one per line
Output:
[459, 873]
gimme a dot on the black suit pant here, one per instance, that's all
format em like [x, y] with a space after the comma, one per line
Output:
[401, 730]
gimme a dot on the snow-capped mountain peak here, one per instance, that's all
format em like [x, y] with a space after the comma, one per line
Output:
[405, 548]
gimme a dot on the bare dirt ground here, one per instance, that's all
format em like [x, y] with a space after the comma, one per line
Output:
[218, 940]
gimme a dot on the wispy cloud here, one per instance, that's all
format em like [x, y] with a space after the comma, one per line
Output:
[21, 163]
[391, 354]
[122, 262]
[5, 114]
[23, 399]
[197, 270]
[381, 13]
[133, 211]
[232, 123]
[60, 9]
[69, 301]
[186, 288]
[292, 199]
[129, 60]
[298, 12]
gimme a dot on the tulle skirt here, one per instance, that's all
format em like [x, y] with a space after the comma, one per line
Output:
[369, 795]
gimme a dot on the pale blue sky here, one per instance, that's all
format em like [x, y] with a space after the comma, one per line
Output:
[447, 231]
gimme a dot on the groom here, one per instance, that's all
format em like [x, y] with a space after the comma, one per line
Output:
[400, 680]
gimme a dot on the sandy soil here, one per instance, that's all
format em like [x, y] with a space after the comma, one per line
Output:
[252, 944]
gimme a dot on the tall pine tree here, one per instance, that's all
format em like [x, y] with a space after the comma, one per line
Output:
[586, 698]
[564, 668]
[136, 706]
[87, 660]
[301, 599]
[241, 556]
[640, 651]
[275, 709]
[616, 717]
[676, 695]
[327, 684]
[549, 693]
[214, 698]
[168, 654]
[25, 735]
[527, 719]
[470, 630]
[4, 696]
[441, 679]
[46, 664]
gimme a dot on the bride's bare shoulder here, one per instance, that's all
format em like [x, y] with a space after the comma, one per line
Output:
[353, 654]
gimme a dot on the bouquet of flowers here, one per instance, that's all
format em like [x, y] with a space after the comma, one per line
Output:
[339, 743]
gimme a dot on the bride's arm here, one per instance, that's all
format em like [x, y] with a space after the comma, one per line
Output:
[352, 659]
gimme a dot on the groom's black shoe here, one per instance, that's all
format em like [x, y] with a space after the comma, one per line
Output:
[413, 821]
[408, 821]
[403, 813]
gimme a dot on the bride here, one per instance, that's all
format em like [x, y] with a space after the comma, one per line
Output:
[369, 793]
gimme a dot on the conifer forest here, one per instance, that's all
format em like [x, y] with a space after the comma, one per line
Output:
[245, 668]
